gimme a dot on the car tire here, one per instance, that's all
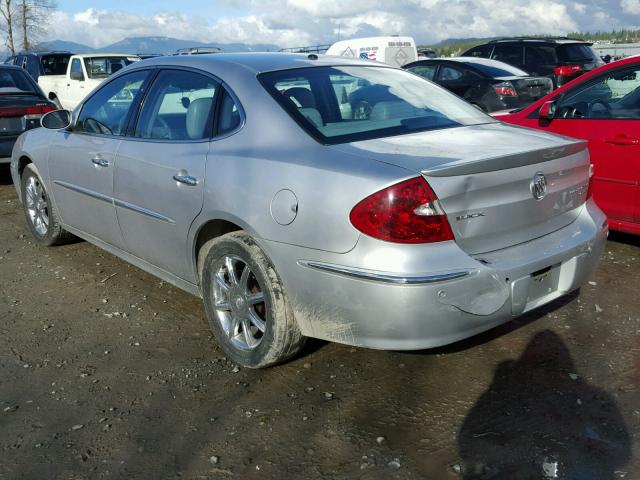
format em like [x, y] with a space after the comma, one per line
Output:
[41, 216]
[248, 310]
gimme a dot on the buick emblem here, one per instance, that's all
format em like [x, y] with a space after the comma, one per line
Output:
[538, 186]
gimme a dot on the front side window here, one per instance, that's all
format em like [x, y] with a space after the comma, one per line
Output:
[425, 71]
[106, 112]
[179, 107]
[351, 103]
[76, 72]
[615, 96]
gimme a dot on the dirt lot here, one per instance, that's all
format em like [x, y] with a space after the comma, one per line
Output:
[107, 372]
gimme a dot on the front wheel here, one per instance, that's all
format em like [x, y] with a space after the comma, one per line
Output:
[246, 304]
[40, 214]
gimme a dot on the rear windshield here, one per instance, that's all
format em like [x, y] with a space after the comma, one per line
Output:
[102, 67]
[496, 72]
[575, 53]
[55, 64]
[346, 104]
[16, 82]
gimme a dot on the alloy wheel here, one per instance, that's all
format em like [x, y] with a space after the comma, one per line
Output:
[37, 205]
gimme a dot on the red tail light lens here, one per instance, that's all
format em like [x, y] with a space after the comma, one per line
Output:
[407, 212]
[567, 70]
[39, 109]
[505, 89]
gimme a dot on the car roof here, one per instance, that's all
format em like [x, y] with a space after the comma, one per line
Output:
[480, 61]
[257, 62]
[553, 40]
[101, 55]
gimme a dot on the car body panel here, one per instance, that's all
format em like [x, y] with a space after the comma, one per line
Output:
[614, 153]
[449, 291]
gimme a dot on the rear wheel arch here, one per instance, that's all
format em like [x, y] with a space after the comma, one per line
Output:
[208, 232]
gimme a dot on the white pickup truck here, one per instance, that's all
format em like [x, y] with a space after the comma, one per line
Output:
[84, 73]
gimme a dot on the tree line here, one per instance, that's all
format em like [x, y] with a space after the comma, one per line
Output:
[23, 22]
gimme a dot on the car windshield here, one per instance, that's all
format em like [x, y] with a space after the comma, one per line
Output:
[15, 82]
[102, 67]
[55, 64]
[351, 103]
[575, 53]
[497, 72]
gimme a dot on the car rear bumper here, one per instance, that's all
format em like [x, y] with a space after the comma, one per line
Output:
[350, 299]
[6, 147]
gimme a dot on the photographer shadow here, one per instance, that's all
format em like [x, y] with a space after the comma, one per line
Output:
[540, 419]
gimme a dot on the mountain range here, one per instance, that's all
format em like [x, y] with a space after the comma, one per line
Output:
[162, 45]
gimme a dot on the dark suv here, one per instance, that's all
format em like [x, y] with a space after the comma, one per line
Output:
[561, 59]
[41, 63]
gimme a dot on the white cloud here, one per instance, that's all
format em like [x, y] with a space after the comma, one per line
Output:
[631, 6]
[303, 22]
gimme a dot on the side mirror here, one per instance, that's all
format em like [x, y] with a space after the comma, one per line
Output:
[56, 120]
[548, 110]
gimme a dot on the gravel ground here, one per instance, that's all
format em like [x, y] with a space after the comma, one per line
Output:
[107, 372]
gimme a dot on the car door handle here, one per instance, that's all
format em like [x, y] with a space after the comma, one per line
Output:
[623, 140]
[101, 162]
[186, 179]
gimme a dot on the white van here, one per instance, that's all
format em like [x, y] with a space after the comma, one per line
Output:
[394, 51]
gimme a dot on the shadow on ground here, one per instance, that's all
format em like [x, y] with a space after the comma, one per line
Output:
[548, 421]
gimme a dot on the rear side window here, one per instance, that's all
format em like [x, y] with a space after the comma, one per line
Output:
[178, 107]
[106, 112]
[508, 54]
[229, 115]
[32, 66]
[540, 55]
[450, 74]
[483, 51]
[425, 71]
[54, 64]
[575, 53]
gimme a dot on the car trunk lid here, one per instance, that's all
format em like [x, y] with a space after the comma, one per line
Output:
[17, 111]
[485, 178]
[529, 89]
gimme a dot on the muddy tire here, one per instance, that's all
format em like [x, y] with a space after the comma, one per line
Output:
[246, 304]
[41, 216]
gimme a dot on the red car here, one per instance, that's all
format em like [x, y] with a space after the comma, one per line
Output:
[603, 107]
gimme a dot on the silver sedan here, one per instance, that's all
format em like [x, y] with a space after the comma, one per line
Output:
[308, 196]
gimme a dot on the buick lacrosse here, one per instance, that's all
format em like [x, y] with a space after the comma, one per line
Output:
[309, 196]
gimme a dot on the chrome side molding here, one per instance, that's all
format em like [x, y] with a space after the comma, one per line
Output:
[383, 277]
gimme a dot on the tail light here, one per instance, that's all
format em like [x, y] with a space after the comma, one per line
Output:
[567, 70]
[505, 89]
[31, 111]
[407, 212]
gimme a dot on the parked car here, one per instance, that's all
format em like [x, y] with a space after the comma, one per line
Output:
[41, 63]
[22, 104]
[83, 74]
[488, 84]
[423, 224]
[559, 58]
[602, 107]
[198, 51]
[392, 50]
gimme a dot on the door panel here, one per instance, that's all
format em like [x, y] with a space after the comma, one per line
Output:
[82, 161]
[158, 187]
[606, 112]
[81, 169]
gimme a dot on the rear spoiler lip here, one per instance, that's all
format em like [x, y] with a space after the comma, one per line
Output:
[504, 162]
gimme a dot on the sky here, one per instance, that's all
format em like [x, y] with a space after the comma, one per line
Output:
[291, 23]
